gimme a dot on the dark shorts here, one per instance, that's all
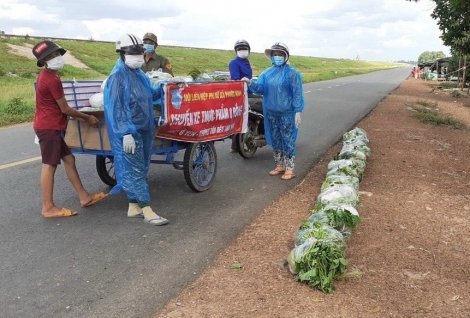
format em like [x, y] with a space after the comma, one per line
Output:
[53, 146]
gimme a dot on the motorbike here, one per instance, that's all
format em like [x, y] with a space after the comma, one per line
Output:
[254, 138]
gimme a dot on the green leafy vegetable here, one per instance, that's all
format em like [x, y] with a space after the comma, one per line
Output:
[320, 259]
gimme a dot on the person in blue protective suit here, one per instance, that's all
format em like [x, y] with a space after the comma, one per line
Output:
[283, 101]
[128, 106]
[240, 67]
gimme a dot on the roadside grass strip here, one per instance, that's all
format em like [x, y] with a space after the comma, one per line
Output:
[427, 112]
[319, 255]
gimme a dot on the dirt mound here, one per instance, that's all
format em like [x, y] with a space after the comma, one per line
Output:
[25, 51]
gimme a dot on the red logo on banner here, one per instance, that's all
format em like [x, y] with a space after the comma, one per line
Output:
[204, 112]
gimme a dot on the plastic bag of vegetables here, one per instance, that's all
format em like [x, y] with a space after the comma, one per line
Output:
[358, 165]
[342, 217]
[310, 227]
[352, 147]
[319, 260]
[340, 179]
[356, 133]
[345, 171]
[339, 194]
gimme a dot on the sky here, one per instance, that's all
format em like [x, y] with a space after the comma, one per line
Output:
[371, 30]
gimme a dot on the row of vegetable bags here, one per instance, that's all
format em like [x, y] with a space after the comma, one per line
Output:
[319, 255]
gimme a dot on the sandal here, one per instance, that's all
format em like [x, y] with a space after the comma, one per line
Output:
[96, 197]
[289, 174]
[278, 170]
[62, 213]
[157, 221]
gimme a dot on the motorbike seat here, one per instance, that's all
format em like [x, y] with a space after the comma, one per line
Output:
[256, 103]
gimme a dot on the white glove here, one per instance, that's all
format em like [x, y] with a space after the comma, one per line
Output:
[297, 120]
[246, 80]
[128, 144]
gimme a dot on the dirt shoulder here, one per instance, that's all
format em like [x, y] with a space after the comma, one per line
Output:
[412, 247]
[26, 51]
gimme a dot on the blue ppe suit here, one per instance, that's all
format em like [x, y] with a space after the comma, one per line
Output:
[283, 96]
[128, 106]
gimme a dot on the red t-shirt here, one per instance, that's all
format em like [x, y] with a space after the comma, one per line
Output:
[48, 114]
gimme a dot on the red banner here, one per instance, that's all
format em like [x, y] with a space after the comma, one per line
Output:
[204, 111]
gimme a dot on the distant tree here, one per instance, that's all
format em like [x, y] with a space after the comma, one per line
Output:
[430, 56]
[2, 32]
[453, 19]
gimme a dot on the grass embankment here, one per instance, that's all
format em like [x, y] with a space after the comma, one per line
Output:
[18, 73]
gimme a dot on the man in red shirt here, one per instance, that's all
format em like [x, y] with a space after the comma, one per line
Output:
[50, 122]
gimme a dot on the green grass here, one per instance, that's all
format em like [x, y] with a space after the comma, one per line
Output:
[429, 115]
[428, 104]
[446, 85]
[18, 73]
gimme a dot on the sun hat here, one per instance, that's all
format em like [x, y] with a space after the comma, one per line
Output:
[44, 48]
[278, 46]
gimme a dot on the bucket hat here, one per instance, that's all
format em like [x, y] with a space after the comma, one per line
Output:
[44, 48]
[278, 46]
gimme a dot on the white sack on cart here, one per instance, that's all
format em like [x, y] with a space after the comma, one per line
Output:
[97, 101]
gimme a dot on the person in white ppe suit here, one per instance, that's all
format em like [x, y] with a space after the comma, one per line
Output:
[128, 105]
[283, 101]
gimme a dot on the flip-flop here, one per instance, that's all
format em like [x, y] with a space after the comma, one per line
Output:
[157, 221]
[276, 172]
[138, 215]
[97, 197]
[288, 176]
[63, 213]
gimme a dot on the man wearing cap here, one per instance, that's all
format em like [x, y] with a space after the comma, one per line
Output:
[153, 61]
[50, 122]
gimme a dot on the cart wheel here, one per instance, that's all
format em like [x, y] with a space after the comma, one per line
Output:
[105, 169]
[245, 142]
[200, 165]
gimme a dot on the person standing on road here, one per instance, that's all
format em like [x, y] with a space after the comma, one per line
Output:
[283, 101]
[50, 122]
[128, 106]
[153, 61]
[240, 67]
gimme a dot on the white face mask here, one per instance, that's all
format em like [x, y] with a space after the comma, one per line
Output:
[134, 61]
[56, 63]
[243, 54]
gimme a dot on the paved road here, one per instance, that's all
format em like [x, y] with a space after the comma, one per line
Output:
[102, 264]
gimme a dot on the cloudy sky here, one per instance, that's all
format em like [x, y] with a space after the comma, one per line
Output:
[373, 30]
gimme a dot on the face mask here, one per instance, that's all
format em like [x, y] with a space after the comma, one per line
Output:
[56, 63]
[277, 60]
[134, 61]
[149, 48]
[243, 54]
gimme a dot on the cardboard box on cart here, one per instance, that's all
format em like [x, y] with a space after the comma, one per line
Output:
[81, 135]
